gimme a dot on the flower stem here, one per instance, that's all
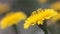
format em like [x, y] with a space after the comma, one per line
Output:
[44, 27]
[15, 28]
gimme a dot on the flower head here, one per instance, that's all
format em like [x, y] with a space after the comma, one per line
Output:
[12, 18]
[42, 1]
[56, 5]
[38, 17]
[4, 7]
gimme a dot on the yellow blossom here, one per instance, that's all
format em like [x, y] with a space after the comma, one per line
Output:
[42, 1]
[12, 18]
[4, 7]
[55, 5]
[38, 16]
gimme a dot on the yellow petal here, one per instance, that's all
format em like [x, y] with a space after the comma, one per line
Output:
[40, 22]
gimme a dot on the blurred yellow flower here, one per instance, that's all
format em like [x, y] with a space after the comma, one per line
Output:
[38, 17]
[42, 1]
[55, 5]
[12, 18]
[4, 7]
[55, 18]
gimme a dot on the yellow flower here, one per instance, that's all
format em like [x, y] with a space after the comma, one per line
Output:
[55, 18]
[12, 18]
[4, 7]
[55, 5]
[42, 1]
[39, 16]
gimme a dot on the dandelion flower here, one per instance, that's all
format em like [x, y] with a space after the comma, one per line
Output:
[4, 7]
[42, 1]
[55, 5]
[12, 18]
[38, 16]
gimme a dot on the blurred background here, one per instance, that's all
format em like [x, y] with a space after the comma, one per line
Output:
[28, 6]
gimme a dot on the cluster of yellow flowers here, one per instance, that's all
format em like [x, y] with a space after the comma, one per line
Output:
[38, 17]
[12, 18]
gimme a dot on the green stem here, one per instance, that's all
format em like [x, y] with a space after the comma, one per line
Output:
[15, 28]
[44, 27]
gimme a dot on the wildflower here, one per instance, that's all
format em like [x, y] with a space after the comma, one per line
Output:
[55, 5]
[12, 18]
[39, 16]
[4, 7]
[42, 1]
